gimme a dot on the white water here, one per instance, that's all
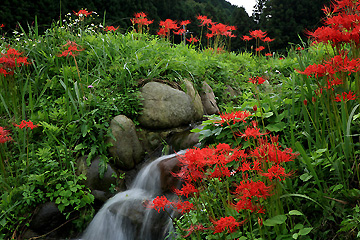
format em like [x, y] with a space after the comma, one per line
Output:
[124, 217]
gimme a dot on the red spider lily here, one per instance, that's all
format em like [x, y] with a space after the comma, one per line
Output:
[250, 132]
[276, 171]
[221, 29]
[305, 102]
[11, 60]
[209, 35]
[267, 39]
[141, 19]
[226, 223]
[183, 207]
[180, 31]
[234, 117]
[82, 13]
[198, 227]
[140, 15]
[345, 97]
[204, 20]
[72, 49]
[159, 203]
[192, 40]
[2, 25]
[258, 34]
[166, 26]
[4, 135]
[260, 48]
[186, 190]
[246, 38]
[24, 124]
[268, 54]
[184, 23]
[111, 28]
[257, 80]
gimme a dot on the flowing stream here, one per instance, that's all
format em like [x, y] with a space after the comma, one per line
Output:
[124, 216]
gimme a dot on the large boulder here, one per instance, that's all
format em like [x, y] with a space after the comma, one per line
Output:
[127, 150]
[165, 107]
[208, 100]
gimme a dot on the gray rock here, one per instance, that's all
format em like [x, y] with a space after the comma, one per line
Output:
[126, 150]
[208, 100]
[93, 180]
[165, 107]
[196, 100]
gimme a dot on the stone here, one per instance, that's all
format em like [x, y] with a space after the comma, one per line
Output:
[46, 219]
[93, 180]
[167, 180]
[208, 100]
[127, 150]
[165, 107]
[196, 100]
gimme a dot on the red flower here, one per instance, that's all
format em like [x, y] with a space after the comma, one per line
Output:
[4, 135]
[192, 40]
[260, 48]
[72, 49]
[186, 190]
[111, 28]
[204, 20]
[257, 80]
[28, 124]
[267, 39]
[82, 13]
[159, 203]
[234, 117]
[183, 207]
[2, 25]
[258, 34]
[345, 97]
[276, 171]
[251, 132]
[246, 38]
[184, 23]
[226, 223]
[11, 60]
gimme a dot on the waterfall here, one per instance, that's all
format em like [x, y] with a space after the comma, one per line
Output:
[124, 216]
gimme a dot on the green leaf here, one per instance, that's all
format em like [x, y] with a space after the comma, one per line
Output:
[279, 219]
[295, 212]
[276, 127]
[306, 177]
[295, 236]
[305, 231]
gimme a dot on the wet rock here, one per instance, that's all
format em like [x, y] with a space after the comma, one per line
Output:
[167, 167]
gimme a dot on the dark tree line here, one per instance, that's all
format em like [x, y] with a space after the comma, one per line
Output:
[284, 20]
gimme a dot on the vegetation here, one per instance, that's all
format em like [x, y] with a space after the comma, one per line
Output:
[280, 162]
[284, 20]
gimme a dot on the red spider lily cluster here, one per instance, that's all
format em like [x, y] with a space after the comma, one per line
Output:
[11, 60]
[341, 28]
[259, 35]
[141, 20]
[4, 135]
[251, 175]
[216, 29]
[72, 49]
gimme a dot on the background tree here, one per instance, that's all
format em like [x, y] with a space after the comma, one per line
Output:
[286, 20]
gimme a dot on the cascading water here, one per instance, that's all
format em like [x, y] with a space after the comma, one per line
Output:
[124, 216]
